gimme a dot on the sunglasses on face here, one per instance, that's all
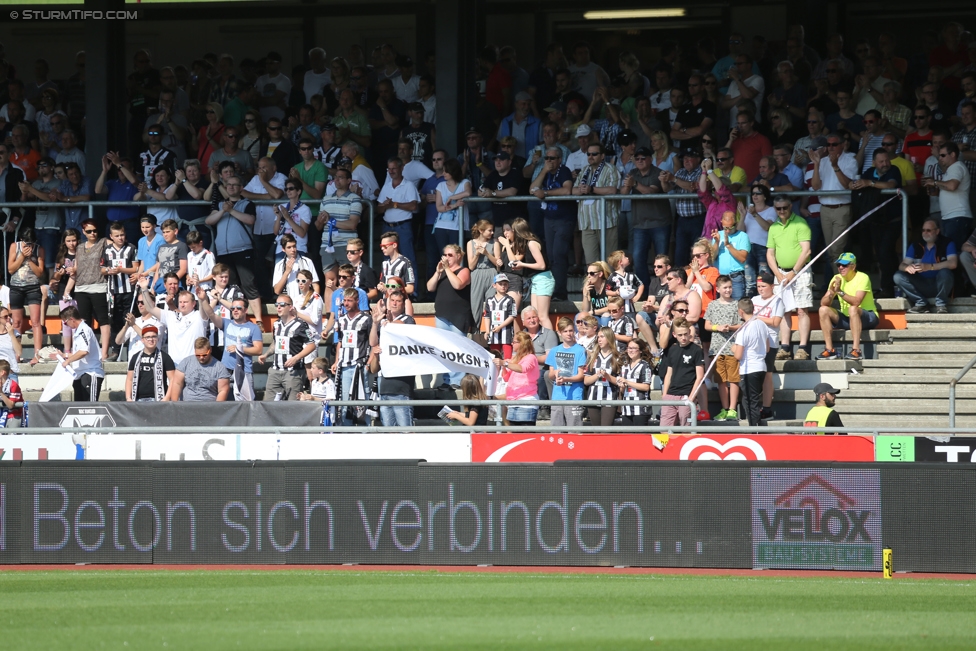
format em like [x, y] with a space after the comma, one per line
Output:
[659, 266]
[722, 160]
[592, 153]
[581, 322]
[344, 276]
[552, 158]
[238, 307]
[593, 273]
[89, 231]
[783, 208]
[352, 251]
[282, 304]
[680, 311]
[278, 128]
[393, 285]
[707, 141]
[833, 144]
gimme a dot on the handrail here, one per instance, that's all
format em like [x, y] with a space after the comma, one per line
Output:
[91, 205]
[952, 390]
[602, 199]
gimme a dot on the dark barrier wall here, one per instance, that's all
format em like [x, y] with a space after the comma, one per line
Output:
[683, 514]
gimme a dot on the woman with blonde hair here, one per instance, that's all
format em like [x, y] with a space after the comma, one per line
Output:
[664, 156]
[208, 139]
[484, 261]
[595, 290]
[637, 84]
[602, 369]
[522, 381]
[781, 127]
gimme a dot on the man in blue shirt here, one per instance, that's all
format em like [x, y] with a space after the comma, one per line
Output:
[566, 366]
[927, 270]
[74, 189]
[239, 331]
[123, 189]
[733, 248]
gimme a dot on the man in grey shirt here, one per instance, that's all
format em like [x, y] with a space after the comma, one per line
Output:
[652, 220]
[201, 378]
[543, 339]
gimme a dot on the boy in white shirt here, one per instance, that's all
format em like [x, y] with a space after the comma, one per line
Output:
[200, 263]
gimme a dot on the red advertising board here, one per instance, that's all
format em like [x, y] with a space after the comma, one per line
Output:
[538, 448]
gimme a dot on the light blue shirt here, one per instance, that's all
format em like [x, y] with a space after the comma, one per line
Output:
[727, 264]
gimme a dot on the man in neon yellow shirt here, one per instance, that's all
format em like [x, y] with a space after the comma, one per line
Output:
[852, 288]
[725, 164]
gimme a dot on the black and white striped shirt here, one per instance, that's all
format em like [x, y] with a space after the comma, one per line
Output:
[401, 268]
[498, 310]
[642, 373]
[150, 162]
[119, 258]
[625, 326]
[601, 389]
[628, 280]
[354, 338]
[328, 157]
[289, 340]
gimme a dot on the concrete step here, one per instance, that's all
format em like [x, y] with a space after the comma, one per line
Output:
[918, 348]
[898, 363]
[939, 332]
[953, 317]
[903, 383]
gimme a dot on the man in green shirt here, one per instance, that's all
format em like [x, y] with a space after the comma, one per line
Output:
[311, 173]
[852, 289]
[787, 251]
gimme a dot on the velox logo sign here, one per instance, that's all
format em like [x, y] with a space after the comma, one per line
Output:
[84, 417]
[816, 518]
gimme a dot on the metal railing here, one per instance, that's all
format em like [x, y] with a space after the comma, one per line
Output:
[603, 199]
[92, 205]
[952, 390]
[462, 231]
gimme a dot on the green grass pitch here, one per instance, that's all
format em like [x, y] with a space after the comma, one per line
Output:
[465, 610]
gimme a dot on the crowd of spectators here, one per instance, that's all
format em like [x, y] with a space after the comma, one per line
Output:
[346, 141]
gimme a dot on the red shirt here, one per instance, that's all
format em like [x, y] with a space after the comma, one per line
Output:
[919, 147]
[748, 150]
[498, 80]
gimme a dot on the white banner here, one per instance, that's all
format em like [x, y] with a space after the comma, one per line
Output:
[61, 378]
[422, 350]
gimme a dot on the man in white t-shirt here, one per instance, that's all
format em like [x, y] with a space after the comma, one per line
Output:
[318, 77]
[183, 327]
[744, 84]
[273, 88]
[953, 191]
[85, 350]
[397, 202]
[750, 347]
[407, 84]
[770, 310]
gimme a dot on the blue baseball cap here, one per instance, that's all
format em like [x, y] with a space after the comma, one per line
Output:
[847, 258]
